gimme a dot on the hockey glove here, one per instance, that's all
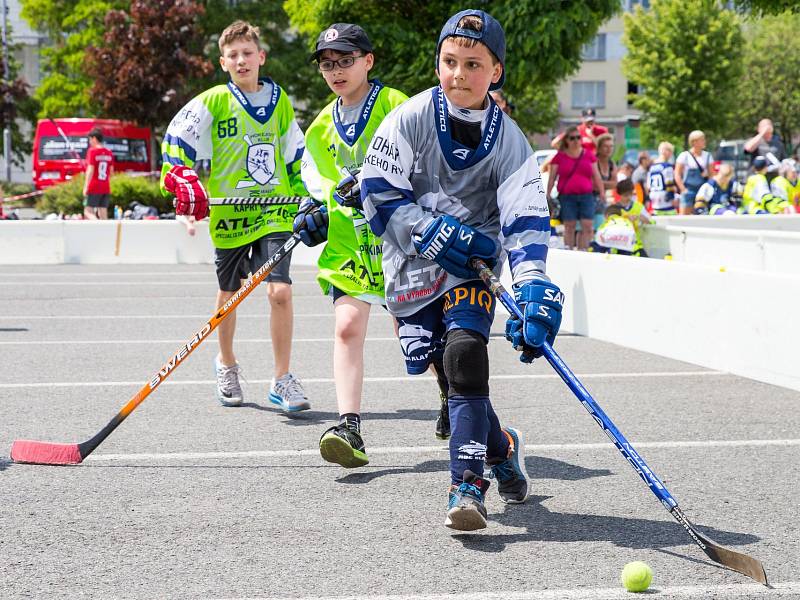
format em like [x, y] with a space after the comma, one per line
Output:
[311, 222]
[190, 195]
[452, 245]
[348, 191]
[541, 302]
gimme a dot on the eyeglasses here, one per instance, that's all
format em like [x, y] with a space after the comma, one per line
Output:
[343, 63]
[572, 138]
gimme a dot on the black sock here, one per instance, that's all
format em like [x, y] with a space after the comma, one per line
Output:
[351, 420]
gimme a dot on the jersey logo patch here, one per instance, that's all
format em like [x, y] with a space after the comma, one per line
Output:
[351, 131]
[261, 111]
[260, 164]
[414, 337]
[461, 153]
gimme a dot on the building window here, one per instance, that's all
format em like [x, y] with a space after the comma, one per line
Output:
[596, 49]
[630, 5]
[633, 90]
[588, 94]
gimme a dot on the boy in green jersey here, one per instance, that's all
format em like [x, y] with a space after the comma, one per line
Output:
[350, 264]
[248, 130]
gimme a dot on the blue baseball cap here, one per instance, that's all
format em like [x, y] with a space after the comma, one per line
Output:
[491, 35]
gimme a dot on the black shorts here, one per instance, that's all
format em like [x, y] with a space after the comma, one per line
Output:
[98, 201]
[235, 264]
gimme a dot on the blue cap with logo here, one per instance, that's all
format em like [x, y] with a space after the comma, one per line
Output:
[491, 35]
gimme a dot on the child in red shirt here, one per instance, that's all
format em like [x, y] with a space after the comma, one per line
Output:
[97, 187]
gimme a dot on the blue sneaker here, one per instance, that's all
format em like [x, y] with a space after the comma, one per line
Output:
[512, 481]
[465, 511]
[287, 393]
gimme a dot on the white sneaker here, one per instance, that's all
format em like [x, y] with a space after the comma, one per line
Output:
[288, 393]
[229, 391]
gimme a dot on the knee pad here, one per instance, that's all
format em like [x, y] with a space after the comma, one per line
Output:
[466, 363]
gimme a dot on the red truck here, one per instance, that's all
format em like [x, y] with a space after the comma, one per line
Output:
[59, 148]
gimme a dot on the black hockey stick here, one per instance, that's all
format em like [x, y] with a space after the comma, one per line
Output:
[265, 201]
[737, 561]
[47, 453]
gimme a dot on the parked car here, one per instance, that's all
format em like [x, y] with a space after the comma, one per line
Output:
[59, 148]
[732, 152]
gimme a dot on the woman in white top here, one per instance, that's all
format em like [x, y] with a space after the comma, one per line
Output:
[692, 169]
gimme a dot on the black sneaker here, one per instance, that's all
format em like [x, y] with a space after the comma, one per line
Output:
[465, 509]
[343, 446]
[512, 482]
[443, 420]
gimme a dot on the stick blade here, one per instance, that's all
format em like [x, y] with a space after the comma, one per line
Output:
[744, 564]
[45, 453]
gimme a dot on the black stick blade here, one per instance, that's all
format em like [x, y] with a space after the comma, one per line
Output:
[742, 563]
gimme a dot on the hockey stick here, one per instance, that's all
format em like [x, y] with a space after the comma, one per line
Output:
[729, 558]
[234, 201]
[46, 453]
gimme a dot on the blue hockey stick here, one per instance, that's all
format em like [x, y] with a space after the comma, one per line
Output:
[729, 558]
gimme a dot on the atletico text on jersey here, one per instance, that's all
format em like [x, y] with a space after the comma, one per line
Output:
[255, 151]
[101, 160]
[414, 171]
[351, 259]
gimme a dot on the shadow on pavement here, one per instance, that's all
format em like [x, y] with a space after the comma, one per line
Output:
[5, 463]
[537, 467]
[319, 417]
[544, 525]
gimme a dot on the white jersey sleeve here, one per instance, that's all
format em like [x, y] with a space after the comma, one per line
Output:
[188, 136]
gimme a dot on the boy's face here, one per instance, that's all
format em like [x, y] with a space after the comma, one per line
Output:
[465, 74]
[242, 58]
[344, 81]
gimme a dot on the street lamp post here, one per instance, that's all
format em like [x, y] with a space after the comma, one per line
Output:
[6, 99]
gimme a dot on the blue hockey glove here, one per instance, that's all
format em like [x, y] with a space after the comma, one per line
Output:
[348, 191]
[311, 222]
[541, 302]
[452, 245]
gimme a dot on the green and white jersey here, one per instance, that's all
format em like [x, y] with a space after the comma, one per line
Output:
[255, 149]
[338, 139]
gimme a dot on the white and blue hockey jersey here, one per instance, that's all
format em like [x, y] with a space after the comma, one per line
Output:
[415, 171]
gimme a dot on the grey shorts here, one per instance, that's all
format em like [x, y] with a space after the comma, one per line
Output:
[235, 264]
[98, 201]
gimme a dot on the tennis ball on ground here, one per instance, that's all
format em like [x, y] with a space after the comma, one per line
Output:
[636, 576]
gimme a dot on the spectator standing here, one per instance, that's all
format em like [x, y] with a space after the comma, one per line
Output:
[768, 144]
[608, 175]
[578, 177]
[639, 176]
[692, 169]
[97, 183]
[588, 130]
[660, 185]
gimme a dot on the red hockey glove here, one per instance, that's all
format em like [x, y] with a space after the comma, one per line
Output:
[190, 196]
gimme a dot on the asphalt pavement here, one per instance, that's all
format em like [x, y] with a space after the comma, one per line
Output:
[188, 499]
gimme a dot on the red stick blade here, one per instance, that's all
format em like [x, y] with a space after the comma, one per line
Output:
[45, 453]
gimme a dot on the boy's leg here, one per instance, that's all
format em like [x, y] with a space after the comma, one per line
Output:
[229, 263]
[285, 390]
[443, 419]
[342, 444]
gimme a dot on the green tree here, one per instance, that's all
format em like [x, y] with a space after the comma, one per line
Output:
[686, 58]
[767, 7]
[16, 104]
[544, 40]
[768, 86]
[72, 26]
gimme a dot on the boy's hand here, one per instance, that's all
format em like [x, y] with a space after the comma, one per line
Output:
[348, 191]
[311, 222]
[541, 302]
[452, 245]
[190, 195]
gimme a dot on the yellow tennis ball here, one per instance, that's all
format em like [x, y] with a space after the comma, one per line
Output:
[636, 576]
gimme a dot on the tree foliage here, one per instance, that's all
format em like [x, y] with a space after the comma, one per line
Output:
[16, 103]
[767, 7]
[544, 39]
[686, 57]
[148, 54]
[72, 26]
[768, 86]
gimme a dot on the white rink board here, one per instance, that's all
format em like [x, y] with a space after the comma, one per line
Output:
[742, 322]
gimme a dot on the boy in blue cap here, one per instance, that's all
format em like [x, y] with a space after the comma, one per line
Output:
[449, 177]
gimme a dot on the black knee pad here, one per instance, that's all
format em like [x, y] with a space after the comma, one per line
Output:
[466, 363]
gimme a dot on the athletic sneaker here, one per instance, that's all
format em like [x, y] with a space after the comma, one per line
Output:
[343, 445]
[512, 481]
[465, 509]
[443, 420]
[288, 393]
[229, 391]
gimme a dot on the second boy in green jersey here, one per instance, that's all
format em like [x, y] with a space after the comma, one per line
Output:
[350, 264]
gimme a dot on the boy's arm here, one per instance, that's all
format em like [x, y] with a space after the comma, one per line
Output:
[293, 145]
[386, 192]
[524, 215]
[187, 138]
[319, 187]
